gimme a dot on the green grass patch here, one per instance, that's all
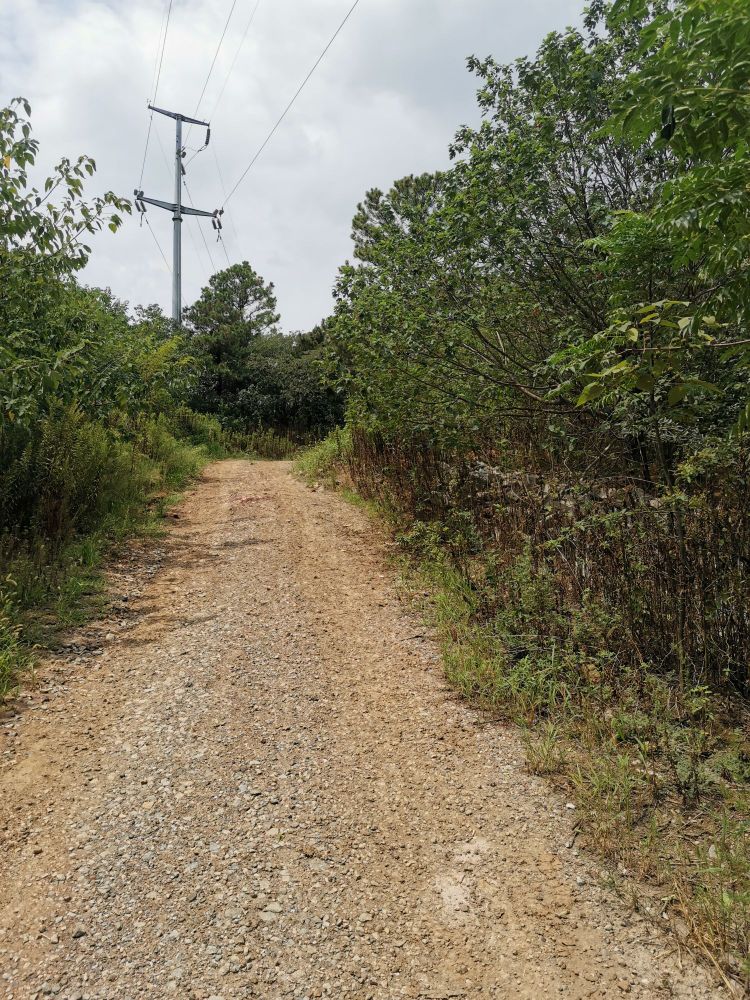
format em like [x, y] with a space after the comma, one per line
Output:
[323, 462]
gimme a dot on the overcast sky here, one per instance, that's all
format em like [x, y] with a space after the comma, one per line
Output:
[385, 102]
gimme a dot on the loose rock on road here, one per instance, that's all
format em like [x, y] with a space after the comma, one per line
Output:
[252, 781]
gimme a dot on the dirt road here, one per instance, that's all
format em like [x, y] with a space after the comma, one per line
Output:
[253, 782]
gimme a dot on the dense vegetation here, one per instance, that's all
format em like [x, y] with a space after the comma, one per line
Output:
[545, 351]
[252, 375]
[103, 414]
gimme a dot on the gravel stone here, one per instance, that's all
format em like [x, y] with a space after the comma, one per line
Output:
[249, 780]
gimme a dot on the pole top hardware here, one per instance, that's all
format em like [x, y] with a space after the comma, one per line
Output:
[176, 208]
[177, 116]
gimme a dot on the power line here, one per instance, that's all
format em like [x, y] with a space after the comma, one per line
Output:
[160, 48]
[145, 151]
[224, 192]
[234, 60]
[155, 84]
[213, 112]
[301, 87]
[226, 78]
[223, 247]
[213, 61]
[206, 270]
[166, 262]
[163, 47]
[205, 244]
[163, 153]
[200, 228]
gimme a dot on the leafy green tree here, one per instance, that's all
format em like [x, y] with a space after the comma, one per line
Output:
[691, 96]
[234, 309]
[283, 388]
[82, 386]
[678, 348]
[42, 234]
[562, 275]
[467, 282]
[252, 376]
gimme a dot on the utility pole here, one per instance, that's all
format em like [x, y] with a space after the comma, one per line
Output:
[176, 207]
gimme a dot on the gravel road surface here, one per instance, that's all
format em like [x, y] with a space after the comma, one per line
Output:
[250, 780]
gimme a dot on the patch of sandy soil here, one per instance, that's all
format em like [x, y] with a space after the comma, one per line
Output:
[251, 781]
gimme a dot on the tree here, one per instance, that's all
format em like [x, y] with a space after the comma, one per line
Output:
[42, 348]
[237, 303]
[252, 375]
[467, 282]
[283, 388]
[689, 98]
[692, 95]
[235, 308]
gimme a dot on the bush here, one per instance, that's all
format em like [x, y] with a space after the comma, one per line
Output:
[322, 462]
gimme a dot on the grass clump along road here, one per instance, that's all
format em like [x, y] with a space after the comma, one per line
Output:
[658, 773]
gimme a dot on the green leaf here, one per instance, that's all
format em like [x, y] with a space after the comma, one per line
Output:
[591, 392]
[676, 394]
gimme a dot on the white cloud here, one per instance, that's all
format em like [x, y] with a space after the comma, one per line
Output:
[385, 102]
